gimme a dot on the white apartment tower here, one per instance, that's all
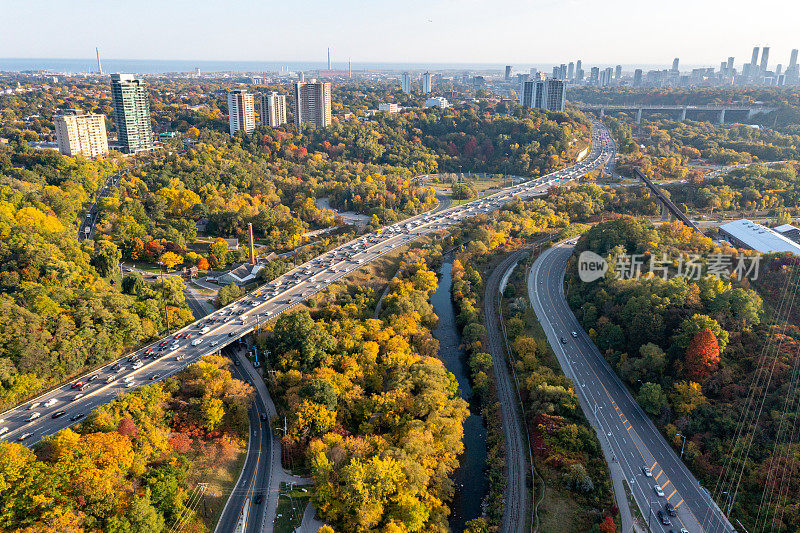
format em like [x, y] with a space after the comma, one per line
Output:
[241, 111]
[427, 85]
[406, 82]
[544, 94]
[273, 109]
[312, 103]
[81, 133]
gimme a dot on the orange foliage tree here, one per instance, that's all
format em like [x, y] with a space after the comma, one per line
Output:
[702, 355]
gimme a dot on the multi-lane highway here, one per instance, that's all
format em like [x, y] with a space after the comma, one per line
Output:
[657, 477]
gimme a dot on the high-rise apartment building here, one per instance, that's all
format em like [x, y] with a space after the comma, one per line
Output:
[312, 103]
[406, 82]
[764, 59]
[571, 71]
[81, 133]
[637, 77]
[508, 72]
[273, 109]
[241, 111]
[754, 59]
[547, 94]
[594, 76]
[427, 85]
[132, 113]
[675, 63]
[617, 72]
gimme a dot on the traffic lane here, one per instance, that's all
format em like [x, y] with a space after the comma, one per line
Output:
[676, 472]
[589, 398]
[648, 498]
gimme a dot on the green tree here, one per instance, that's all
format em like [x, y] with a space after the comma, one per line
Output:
[105, 258]
[651, 398]
[142, 517]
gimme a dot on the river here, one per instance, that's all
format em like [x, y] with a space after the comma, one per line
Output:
[470, 481]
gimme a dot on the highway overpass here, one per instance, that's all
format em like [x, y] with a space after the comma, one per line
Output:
[682, 111]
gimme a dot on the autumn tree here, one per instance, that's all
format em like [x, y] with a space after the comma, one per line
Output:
[702, 355]
[170, 260]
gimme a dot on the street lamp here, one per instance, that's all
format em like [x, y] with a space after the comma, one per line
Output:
[682, 445]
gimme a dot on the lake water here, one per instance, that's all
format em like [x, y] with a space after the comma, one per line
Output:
[469, 479]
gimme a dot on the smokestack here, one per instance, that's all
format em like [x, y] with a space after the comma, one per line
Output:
[99, 68]
[251, 250]
[329, 58]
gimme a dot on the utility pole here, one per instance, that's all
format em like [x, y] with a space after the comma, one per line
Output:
[682, 445]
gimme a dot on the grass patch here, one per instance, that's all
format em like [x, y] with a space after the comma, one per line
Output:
[291, 506]
[220, 476]
[559, 514]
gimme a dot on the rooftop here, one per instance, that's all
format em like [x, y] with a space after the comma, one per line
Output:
[759, 238]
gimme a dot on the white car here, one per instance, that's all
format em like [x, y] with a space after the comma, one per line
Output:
[4, 430]
[214, 343]
[51, 402]
[137, 364]
[658, 490]
[34, 416]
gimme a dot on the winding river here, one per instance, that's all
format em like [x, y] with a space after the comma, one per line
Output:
[470, 482]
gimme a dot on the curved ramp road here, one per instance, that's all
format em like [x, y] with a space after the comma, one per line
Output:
[621, 424]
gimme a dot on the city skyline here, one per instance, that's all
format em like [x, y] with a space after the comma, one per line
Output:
[376, 32]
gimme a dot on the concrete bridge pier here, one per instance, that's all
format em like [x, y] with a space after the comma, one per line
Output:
[722, 117]
[639, 116]
[683, 114]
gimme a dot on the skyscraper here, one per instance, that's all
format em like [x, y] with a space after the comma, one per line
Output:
[132, 113]
[675, 64]
[754, 59]
[544, 94]
[571, 71]
[764, 59]
[793, 58]
[81, 133]
[618, 72]
[406, 83]
[637, 77]
[312, 103]
[508, 72]
[427, 85]
[273, 109]
[730, 65]
[241, 111]
[594, 76]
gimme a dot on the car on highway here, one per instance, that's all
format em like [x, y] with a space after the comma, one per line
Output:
[663, 518]
[77, 416]
[658, 490]
[51, 402]
[78, 396]
[575, 334]
[563, 340]
[24, 436]
[4, 430]
[77, 385]
[58, 414]
[109, 379]
[214, 343]
[154, 376]
[93, 377]
[137, 365]
[34, 416]
[34, 405]
[670, 509]
[646, 471]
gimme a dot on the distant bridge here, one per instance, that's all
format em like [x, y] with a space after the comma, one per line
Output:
[666, 202]
[720, 110]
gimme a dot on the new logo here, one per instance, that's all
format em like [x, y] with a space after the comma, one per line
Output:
[591, 266]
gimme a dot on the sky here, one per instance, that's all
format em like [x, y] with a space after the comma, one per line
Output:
[516, 32]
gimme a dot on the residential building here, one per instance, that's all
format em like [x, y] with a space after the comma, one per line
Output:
[132, 113]
[675, 64]
[389, 108]
[617, 72]
[637, 77]
[764, 59]
[547, 94]
[406, 82]
[427, 85]
[81, 133]
[508, 73]
[437, 101]
[273, 109]
[241, 111]
[312, 103]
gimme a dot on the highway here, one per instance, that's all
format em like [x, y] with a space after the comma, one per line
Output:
[518, 498]
[86, 227]
[621, 425]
